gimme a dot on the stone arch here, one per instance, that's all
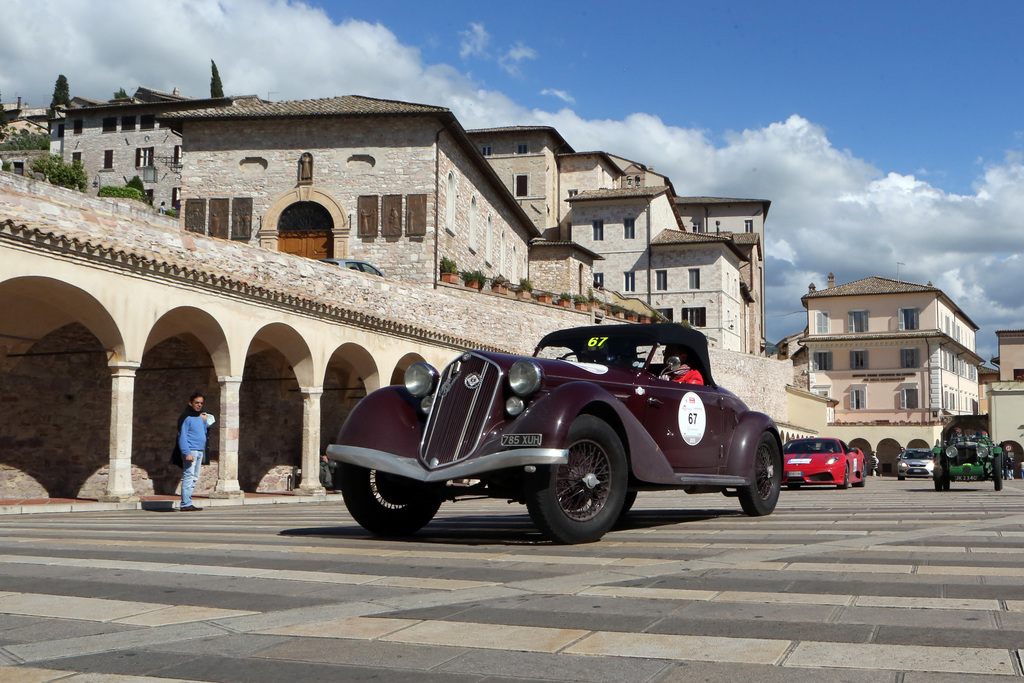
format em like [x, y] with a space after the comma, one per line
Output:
[919, 443]
[268, 233]
[186, 351]
[278, 366]
[351, 374]
[887, 451]
[57, 344]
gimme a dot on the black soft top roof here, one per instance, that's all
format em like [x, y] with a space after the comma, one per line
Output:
[641, 333]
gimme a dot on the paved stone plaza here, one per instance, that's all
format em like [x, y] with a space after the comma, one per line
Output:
[885, 583]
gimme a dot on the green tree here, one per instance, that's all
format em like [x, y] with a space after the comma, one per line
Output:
[3, 120]
[61, 96]
[26, 140]
[216, 89]
[59, 173]
[136, 182]
[121, 95]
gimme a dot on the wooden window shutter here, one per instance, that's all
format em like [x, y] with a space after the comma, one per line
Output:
[416, 215]
[367, 216]
[138, 157]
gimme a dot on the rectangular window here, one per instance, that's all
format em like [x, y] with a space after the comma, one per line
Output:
[76, 156]
[697, 317]
[147, 122]
[694, 278]
[665, 313]
[858, 321]
[908, 398]
[573, 193]
[522, 185]
[60, 131]
[599, 279]
[143, 156]
[909, 358]
[857, 401]
[661, 280]
[598, 230]
[110, 124]
[858, 360]
[485, 150]
[909, 318]
[629, 281]
[522, 148]
[177, 154]
[78, 126]
[108, 158]
[629, 228]
[821, 322]
[748, 225]
[821, 360]
[127, 123]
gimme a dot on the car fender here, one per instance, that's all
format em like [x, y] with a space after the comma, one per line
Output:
[745, 438]
[362, 428]
[553, 414]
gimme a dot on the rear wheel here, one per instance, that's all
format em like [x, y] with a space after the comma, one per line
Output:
[385, 504]
[760, 496]
[579, 501]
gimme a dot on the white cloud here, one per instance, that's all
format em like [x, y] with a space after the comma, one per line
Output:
[831, 211]
[560, 94]
[517, 53]
[474, 41]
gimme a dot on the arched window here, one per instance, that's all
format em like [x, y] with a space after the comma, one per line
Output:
[581, 279]
[489, 237]
[449, 208]
[501, 252]
[515, 265]
[472, 224]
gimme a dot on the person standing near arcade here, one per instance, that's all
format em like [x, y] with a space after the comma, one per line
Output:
[192, 428]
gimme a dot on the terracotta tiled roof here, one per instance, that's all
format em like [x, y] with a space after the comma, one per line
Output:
[348, 105]
[540, 243]
[872, 285]
[620, 193]
[676, 237]
[715, 200]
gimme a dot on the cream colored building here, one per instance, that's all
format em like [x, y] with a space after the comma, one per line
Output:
[1006, 396]
[899, 358]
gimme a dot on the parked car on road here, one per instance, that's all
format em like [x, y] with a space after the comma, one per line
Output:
[914, 462]
[822, 461]
[574, 433]
[353, 264]
[964, 458]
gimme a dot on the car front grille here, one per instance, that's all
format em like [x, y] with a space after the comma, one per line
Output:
[462, 402]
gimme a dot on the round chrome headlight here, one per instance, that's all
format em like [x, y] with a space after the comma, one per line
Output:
[514, 406]
[951, 451]
[983, 451]
[524, 377]
[420, 379]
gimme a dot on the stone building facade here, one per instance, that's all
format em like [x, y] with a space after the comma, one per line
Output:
[393, 183]
[122, 138]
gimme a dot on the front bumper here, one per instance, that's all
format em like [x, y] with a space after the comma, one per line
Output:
[915, 469]
[813, 474]
[411, 468]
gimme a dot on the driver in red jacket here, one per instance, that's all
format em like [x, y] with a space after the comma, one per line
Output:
[684, 373]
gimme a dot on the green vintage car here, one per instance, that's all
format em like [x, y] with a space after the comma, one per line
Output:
[964, 458]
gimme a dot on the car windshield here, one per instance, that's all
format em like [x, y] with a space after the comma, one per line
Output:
[811, 446]
[916, 455]
[616, 351]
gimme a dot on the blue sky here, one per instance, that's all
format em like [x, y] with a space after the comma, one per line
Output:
[880, 131]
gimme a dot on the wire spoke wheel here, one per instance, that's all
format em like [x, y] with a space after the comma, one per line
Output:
[760, 496]
[581, 485]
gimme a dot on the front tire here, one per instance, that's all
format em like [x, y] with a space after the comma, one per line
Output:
[578, 502]
[385, 504]
[846, 479]
[760, 496]
[997, 472]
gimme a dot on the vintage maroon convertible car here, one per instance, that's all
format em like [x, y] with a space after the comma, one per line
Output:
[573, 432]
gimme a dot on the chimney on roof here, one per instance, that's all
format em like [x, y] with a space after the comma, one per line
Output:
[831, 280]
[176, 92]
[19, 101]
[811, 289]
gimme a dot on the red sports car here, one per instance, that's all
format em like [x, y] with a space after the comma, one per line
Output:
[822, 461]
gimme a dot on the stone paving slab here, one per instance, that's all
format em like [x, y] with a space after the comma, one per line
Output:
[696, 648]
[902, 658]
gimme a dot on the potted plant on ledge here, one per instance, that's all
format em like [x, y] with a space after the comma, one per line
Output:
[581, 302]
[545, 297]
[474, 279]
[499, 285]
[525, 289]
[565, 300]
[449, 271]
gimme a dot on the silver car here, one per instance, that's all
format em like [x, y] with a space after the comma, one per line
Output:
[353, 264]
[914, 462]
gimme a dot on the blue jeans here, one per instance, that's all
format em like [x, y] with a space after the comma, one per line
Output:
[190, 477]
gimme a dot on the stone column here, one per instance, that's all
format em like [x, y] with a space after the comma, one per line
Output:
[122, 397]
[227, 476]
[311, 443]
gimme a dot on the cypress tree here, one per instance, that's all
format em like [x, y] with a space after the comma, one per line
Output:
[61, 93]
[216, 89]
[3, 120]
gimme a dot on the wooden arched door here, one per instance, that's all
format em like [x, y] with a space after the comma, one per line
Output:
[304, 229]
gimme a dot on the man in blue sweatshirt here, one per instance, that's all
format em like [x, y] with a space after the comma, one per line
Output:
[192, 427]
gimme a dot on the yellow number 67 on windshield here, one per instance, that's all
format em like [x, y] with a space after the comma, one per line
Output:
[597, 341]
